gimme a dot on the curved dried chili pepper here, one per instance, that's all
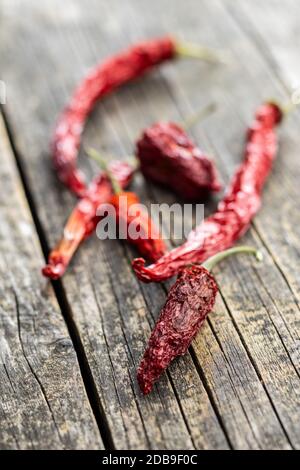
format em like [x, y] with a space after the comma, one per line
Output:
[235, 211]
[83, 221]
[169, 157]
[189, 301]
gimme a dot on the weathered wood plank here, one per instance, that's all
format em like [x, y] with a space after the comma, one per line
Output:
[107, 304]
[43, 401]
[230, 359]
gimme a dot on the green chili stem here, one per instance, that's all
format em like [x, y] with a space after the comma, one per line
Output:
[213, 260]
[197, 51]
[199, 115]
[95, 155]
[288, 108]
[133, 161]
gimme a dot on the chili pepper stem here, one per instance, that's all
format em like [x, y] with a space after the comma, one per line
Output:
[199, 115]
[95, 155]
[214, 260]
[197, 51]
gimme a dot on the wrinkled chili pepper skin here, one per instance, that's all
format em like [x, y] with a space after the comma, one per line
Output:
[235, 211]
[101, 81]
[149, 243]
[169, 157]
[83, 220]
[189, 302]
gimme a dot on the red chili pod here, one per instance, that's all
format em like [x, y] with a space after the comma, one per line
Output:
[189, 301]
[169, 157]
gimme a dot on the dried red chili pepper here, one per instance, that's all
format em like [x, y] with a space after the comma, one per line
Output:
[83, 220]
[169, 157]
[235, 211]
[137, 227]
[101, 81]
[189, 301]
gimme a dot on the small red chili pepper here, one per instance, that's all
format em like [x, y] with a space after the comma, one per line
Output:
[189, 301]
[102, 80]
[83, 220]
[169, 157]
[133, 218]
[235, 211]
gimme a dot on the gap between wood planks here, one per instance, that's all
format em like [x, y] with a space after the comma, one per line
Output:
[86, 374]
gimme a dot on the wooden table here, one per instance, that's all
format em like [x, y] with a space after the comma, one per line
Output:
[69, 352]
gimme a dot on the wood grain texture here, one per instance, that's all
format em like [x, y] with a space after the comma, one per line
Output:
[43, 401]
[239, 385]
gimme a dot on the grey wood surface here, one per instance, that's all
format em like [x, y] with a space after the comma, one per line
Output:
[43, 400]
[238, 387]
